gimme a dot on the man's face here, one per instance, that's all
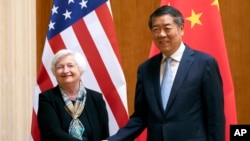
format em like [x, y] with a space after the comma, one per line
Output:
[166, 34]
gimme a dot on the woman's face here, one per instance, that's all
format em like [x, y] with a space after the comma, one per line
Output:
[166, 34]
[67, 71]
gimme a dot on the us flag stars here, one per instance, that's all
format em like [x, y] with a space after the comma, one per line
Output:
[67, 12]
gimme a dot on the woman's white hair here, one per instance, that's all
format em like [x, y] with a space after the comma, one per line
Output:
[80, 60]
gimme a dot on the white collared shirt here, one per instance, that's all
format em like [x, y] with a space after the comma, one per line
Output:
[176, 58]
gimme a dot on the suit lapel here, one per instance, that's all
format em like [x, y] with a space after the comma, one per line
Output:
[184, 66]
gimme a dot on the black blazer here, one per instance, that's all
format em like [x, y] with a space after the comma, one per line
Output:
[195, 108]
[54, 120]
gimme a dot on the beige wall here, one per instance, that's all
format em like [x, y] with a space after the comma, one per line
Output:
[18, 68]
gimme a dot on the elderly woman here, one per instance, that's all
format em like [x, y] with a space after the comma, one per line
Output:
[69, 111]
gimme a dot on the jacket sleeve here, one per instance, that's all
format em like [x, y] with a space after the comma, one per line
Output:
[49, 123]
[214, 101]
[103, 114]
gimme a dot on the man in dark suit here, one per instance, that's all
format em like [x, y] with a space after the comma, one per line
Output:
[194, 109]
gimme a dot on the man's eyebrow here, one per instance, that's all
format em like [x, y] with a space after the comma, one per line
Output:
[167, 24]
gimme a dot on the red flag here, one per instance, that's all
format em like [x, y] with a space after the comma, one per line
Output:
[86, 27]
[203, 31]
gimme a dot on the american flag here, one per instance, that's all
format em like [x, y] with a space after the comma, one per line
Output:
[85, 26]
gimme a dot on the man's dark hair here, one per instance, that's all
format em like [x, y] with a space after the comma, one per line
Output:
[167, 10]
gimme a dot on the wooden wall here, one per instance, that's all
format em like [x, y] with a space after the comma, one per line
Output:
[130, 17]
[235, 20]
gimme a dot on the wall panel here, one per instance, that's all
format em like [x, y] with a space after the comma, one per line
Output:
[17, 73]
[235, 20]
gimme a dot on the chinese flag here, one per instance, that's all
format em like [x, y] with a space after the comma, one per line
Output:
[203, 31]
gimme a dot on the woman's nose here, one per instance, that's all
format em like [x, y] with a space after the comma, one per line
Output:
[65, 69]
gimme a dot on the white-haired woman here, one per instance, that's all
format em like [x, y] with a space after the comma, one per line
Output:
[70, 111]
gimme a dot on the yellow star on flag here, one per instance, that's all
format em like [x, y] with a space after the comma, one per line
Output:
[194, 18]
[216, 3]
